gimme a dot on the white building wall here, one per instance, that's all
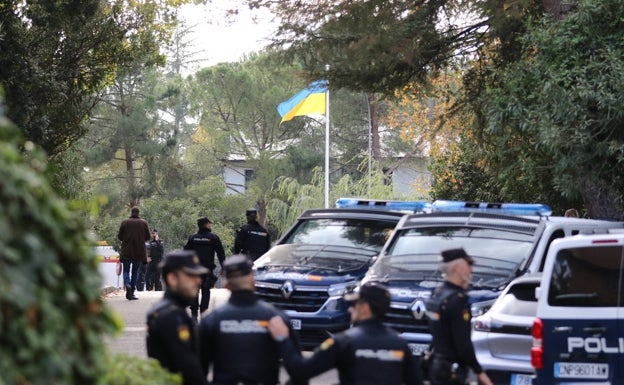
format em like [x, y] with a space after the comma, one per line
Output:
[412, 180]
[234, 178]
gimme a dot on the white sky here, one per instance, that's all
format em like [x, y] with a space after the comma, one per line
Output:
[220, 40]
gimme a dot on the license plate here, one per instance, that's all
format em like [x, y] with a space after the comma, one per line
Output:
[295, 324]
[581, 370]
[418, 349]
[521, 379]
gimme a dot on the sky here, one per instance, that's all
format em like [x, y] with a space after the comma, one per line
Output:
[220, 40]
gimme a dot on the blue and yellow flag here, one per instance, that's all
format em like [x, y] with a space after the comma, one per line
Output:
[310, 100]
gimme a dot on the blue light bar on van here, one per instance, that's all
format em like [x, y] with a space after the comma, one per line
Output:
[499, 208]
[404, 206]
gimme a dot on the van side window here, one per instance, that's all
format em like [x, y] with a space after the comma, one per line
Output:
[586, 276]
[555, 235]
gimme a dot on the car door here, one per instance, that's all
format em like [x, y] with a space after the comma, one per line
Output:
[581, 336]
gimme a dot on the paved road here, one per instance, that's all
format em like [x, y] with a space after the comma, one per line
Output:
[132, 340]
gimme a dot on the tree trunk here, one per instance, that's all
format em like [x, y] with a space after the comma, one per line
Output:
[130, 177]
[374, 126]
[261, 203]
[601, 200]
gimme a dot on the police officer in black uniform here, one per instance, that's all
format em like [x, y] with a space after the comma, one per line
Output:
[449, 314]
[171, 333]
[252, 239]
[155, 252]
[206, 244]
[368, 353]
[234, 338]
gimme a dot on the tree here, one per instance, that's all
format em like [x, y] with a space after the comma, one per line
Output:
[57, 55]
[290, 198]
[131, 129]
[564, 100]
[381, 46]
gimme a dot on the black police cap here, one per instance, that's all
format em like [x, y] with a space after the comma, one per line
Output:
[453, 254]
[237, 265]
[375, 294]
[251, 212]
[202, 221]
[185, 260]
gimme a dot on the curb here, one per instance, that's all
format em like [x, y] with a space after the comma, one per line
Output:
[106, 290]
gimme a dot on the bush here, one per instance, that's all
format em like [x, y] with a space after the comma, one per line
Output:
[123, 369]
[52, 316]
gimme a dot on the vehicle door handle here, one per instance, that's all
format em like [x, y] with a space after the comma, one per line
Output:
[595, 330]
[562, 329]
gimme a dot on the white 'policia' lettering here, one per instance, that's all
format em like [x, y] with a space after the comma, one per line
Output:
[595, 345]
[381, 354]
[241, 327]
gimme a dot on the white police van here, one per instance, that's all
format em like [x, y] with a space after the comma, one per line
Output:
[506, 240]
[578, 335]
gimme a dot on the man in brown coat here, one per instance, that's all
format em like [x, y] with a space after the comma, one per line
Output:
[133, 233]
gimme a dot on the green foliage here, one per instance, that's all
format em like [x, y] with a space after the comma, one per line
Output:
[52, 316]
[122, 369]
[56, 55]
[564, 100]
[381, 46]
[290, 198]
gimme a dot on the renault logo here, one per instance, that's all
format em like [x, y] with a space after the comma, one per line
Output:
[418, 309]
[287, 289]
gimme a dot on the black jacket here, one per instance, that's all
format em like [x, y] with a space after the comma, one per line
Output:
[450, 325]
[367, 354]
[172, 339]
[235, 341]
[252, 240]
[156, 249]
[206, 244]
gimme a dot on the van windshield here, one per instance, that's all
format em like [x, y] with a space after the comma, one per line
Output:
[360, 233]
[498, 254]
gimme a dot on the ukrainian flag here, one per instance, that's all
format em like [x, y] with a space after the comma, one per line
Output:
[310, 100]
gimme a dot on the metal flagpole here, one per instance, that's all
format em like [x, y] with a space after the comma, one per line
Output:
[327, 141]
[327, 148]
[370, 143]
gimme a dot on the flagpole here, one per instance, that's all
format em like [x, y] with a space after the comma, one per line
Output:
[327, 148]
[327, 142]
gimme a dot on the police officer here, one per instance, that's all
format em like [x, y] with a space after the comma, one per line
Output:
[449, 314]
[155, 251]
[368, 353]
[206, 244]
[234, 338]
[252, 239]
[171, 333]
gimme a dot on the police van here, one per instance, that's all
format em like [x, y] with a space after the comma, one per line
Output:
[578, 335]
[506, 240]
[323, 256]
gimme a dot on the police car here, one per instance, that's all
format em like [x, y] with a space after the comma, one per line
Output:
[579, 330]
[321, 257]
[506, 240]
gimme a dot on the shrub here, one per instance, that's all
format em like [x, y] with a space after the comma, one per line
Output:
[52, 316]
[123, 369]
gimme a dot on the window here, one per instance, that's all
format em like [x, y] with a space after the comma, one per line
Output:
[249, 176]
[587, 276]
